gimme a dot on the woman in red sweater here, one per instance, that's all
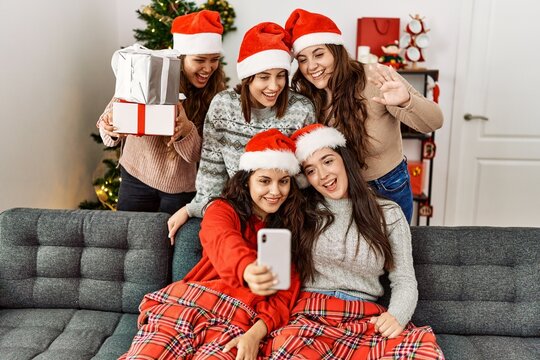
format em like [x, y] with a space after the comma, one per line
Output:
[226, 306]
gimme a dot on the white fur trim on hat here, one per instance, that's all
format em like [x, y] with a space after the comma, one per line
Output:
[197, 44]
[269, 159]
[264, 60]
[317, 139]
[320, 38]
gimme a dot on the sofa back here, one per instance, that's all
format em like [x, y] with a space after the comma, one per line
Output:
[82, 259]
[478, 280]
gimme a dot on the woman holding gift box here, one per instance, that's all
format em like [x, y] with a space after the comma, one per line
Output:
[260, 102]
[367, 103]
[225, 306]
[158, 172]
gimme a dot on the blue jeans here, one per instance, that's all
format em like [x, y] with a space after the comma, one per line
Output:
[134, 195]
[338, 293]
[396, 186]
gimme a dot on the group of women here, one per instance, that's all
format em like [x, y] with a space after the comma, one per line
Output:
[334, 132]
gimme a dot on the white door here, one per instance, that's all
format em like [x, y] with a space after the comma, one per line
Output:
[494, 168]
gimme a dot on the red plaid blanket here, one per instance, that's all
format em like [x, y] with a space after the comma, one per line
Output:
[191, 321]
[188, 321]
[325, 327]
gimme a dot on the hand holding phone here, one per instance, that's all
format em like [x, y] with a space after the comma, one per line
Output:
[274, 251]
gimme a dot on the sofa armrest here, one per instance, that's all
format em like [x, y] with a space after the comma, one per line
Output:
[187, 248]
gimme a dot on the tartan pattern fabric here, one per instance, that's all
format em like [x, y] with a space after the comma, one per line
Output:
[188, 321]
[325, 327]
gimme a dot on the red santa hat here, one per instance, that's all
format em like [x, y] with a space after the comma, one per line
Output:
[265, 46]
[308, 29]
[270, 149]
[197, 33]
[314, 137]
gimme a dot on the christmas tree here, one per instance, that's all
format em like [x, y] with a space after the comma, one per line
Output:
[158, 16]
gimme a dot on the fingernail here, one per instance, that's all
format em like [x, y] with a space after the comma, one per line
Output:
[274, 282]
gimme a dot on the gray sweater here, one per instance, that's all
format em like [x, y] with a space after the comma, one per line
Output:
[226, 133]
[338, 268]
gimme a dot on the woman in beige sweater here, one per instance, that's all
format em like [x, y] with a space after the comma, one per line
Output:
[158, 172]
[367, 104]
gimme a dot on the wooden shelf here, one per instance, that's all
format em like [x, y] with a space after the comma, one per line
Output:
[429, 72]
[408, 133]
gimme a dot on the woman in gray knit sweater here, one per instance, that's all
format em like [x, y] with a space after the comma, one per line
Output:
[262, 101]
[350, 238]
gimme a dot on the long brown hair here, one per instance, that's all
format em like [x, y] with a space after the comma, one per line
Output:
[198, 100]
[367, 216]
[348, 106]
[245, 98]
[290, 214]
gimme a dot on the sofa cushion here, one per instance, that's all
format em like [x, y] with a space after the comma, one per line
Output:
[81, 259]
[458, 347]
[187, 248]
[64, 334]
[478, 280]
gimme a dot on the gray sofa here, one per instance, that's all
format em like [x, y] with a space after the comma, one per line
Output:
[71, 280]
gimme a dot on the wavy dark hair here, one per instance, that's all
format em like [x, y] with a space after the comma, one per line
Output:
[290, 214]
[198, 100]
[367, 215]
[348, 107]
[282, 101]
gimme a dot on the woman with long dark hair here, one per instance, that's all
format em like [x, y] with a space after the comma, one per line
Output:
[261, 101]
[225, 305]
[366, 103]
[158, 172]
[350, 238]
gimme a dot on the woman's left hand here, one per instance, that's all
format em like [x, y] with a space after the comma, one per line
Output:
[387, 325]
[393, 91]
[181, 126]
[248, 344]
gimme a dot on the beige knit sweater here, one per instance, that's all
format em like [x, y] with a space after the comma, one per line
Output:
[168, 169]
[383, 126]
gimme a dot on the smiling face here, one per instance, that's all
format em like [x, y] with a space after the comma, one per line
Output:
[199, 68]
[266, 86]
[317, 64]
[325, 171]
[268, 190]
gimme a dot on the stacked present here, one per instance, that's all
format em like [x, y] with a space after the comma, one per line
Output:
[147, 83]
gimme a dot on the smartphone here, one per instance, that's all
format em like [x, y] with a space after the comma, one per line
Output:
[274, 251]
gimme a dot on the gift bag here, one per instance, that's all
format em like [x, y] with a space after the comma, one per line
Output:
[376, 32]
[416, 173]
[146, 76]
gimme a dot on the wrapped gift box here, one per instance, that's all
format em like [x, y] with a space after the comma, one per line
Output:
[146, 76]
[416, 173]
[141, 119]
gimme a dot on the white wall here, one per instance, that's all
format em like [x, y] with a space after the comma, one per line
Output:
[48, 159]
[54, 83]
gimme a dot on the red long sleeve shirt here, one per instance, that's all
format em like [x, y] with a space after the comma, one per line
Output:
[226, 254]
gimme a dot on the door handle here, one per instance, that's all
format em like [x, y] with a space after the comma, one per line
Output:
[469, 117]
